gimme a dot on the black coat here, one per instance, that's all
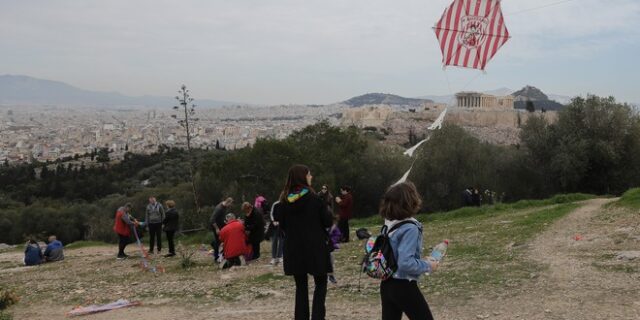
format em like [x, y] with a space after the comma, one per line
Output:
[306, 242]
[254, 225]
[171, 220]
[218, 217]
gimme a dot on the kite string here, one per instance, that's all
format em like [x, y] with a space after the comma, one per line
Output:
[472, 80]
[540, 7]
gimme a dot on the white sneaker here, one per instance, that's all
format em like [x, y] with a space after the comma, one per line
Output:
[273, 262]
[243, 261]
[280, 260]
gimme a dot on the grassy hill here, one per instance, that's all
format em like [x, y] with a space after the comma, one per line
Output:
[520, 252]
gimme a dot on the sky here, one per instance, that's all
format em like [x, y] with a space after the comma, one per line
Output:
[313, 51]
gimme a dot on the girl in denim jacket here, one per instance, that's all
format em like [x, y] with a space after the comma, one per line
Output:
[400, 293]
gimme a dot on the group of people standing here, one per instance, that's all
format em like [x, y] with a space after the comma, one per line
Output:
[156, 219]
[305, 232]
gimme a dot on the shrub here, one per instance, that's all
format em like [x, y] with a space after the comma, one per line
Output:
[7, 298]
[186, 255]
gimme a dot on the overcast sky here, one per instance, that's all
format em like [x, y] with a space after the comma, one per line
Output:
[313, 51]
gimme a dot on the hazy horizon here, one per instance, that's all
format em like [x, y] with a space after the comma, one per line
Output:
[320, 52]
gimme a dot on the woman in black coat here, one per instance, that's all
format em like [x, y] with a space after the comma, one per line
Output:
[304, 219]
[171, 224]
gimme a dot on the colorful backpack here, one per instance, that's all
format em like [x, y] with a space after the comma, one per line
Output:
[379, 262]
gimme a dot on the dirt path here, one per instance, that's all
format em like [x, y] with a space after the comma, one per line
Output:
[571, 287]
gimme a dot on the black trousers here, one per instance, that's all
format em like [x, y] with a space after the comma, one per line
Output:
[343, 226]
[302, 297]
[255, 246]
[235, 261]
[155, 236]
[215, 244]
[172, 248]
[403, 296]
[122, 243]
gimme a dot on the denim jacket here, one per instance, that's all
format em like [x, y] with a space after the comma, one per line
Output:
[406, 242]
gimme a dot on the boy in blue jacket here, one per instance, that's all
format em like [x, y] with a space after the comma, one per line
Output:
[54, 251]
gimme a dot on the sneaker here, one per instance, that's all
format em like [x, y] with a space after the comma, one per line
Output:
[169, 255]
[121, 257]
[243, 261]
[332, 279]
[279, 261]
[273, 262]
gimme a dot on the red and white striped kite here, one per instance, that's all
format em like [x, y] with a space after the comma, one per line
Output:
[471, 32]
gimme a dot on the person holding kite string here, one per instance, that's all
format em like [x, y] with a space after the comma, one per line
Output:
[122, 226]
[400, 293]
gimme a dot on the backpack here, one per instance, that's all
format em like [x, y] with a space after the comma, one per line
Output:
[379, 262]
[363, 233]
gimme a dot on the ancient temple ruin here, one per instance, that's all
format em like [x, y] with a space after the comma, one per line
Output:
[482, 100]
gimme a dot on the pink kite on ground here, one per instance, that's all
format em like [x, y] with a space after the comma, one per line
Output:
[94, 308]
[471, 32]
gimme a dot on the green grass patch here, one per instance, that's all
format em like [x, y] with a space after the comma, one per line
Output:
[485, 210]
[195, 238]
[630, 199]
[488, 251]
[86, 244]
[267, 277]
[624, 268]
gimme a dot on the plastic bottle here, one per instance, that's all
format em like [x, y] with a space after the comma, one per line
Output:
[439, 251]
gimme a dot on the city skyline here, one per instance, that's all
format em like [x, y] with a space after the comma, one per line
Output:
[321, 52]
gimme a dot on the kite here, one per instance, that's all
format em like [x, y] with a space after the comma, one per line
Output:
[122, 303]
[471, 32]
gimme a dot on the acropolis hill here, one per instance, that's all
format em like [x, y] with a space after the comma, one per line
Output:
[490, 118]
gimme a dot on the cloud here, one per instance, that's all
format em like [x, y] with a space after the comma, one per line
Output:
[284, 50]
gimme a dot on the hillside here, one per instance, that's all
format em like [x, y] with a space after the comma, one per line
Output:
[547, 105]
[517, 261]
[529, 93]
[384, 98]
[540, 100]
[24, 90]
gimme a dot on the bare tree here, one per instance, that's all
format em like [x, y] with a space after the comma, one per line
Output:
[187, 122]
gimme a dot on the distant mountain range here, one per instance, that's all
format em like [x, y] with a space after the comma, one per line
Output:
[384, 98]
[25, 90]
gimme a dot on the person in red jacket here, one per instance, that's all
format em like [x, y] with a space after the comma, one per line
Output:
[234, 242]
[122, 227]
[345, 202]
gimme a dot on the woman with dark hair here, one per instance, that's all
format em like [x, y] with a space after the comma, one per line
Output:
[304, 219]
[400, 293]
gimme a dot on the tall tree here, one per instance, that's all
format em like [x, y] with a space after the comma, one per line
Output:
[187, 121]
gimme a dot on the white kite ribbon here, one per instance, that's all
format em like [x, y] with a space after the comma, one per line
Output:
[438, 123]
[404, 177]
[411, 150]
[434, 126]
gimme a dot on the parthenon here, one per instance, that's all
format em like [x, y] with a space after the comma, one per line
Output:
[482, 100]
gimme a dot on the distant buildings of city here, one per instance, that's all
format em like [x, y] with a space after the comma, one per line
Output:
[51, 133]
